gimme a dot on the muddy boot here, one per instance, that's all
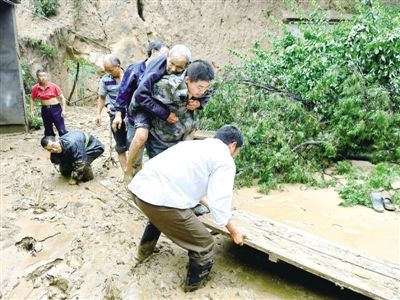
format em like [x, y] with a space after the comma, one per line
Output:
[197, 275]
[148, 242]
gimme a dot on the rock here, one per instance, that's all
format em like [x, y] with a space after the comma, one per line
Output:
[395, 185]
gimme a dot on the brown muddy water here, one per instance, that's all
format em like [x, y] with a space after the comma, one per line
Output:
[78, 242]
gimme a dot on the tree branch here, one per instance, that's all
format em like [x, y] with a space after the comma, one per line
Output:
[265, 86]
[306, 143]
[75, 81]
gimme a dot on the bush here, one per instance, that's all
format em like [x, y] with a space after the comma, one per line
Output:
[48, 50]
[35, 121]
[361, 184]
[27, 78]
[45, 47]
[81, 70]
[46, 8]
[329, 95]
[28, 81]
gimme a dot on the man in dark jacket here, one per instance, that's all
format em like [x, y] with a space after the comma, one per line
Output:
[128, 86]
[74, 152]
[144, 107]
[130, 81]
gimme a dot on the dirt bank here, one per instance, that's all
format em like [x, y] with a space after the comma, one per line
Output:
[78, 242]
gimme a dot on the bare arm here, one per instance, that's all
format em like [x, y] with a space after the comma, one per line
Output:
[100, 104]
[116, 124]
[204, 201]
[236, 235]
[63, 105]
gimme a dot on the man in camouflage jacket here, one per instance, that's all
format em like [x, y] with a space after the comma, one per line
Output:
[182, 95]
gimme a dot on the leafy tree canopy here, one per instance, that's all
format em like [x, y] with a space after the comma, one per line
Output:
[330, 94]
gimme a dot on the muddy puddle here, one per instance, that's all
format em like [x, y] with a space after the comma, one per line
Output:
[317, 211]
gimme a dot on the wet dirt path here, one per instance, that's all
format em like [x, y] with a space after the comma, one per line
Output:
[78, 242]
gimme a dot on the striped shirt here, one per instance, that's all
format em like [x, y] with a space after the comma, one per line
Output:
[109, 88]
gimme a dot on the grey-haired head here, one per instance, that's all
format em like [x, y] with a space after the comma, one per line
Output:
[111, 59]
[178, 59]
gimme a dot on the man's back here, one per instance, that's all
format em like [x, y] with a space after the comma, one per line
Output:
[171, 90]
[187, 172]
[73, 147]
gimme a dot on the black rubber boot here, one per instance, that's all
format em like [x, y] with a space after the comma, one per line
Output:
[197, 275]
[148, 242]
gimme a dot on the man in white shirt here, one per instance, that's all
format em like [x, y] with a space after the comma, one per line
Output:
[173, 182]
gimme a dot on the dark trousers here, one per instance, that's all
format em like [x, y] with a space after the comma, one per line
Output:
[119, 136]
[52, 115]
[94, 149]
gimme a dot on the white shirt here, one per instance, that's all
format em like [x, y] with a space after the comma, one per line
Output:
[181, 175]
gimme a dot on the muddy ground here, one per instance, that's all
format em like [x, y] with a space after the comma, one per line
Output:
[78, 242]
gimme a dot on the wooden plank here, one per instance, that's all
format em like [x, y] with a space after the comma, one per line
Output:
[362, 273]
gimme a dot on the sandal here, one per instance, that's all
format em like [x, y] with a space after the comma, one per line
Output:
[388, 204]
[377, 202]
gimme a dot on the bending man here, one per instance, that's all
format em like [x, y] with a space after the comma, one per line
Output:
[74, 152]
[172, 183]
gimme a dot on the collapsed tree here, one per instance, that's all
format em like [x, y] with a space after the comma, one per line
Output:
[330, 94]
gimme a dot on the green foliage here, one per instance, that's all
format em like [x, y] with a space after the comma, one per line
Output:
[382, 176]
[86, 71]
[32, 42]
[343, 167]
[355, 194]
[332, 93]
[34, 121]
[358, 190]
[45, 47]
[46, 8]
[48, 50]
[27, 78]
[396, 198]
